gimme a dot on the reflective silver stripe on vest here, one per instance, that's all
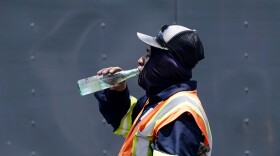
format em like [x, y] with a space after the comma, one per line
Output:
[143, 143]
[203, 115]
[207, 126]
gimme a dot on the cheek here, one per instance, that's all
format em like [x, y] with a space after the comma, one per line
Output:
[147, 64]
[146, 59]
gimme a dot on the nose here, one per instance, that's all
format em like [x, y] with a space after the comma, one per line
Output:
[141, 61]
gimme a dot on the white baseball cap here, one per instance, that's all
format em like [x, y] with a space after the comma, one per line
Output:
[167, 33]
[179, 40]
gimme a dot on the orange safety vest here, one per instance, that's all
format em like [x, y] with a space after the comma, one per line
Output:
[139, 138]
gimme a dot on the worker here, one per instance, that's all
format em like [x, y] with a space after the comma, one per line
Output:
[169, 119]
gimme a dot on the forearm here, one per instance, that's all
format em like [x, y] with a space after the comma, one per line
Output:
[113, 105]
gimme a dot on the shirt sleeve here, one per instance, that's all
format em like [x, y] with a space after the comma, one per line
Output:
[180, 137]
[113, 105]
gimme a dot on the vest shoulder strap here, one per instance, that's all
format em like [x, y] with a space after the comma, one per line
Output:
[184, 102]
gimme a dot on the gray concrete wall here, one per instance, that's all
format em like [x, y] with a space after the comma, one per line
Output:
[46, 46]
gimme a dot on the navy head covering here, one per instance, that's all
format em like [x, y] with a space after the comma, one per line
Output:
[162, 71]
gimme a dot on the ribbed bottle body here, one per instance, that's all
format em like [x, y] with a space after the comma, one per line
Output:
[96, 83]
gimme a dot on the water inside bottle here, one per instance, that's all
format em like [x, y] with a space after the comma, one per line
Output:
[96, 83]
[91, 84]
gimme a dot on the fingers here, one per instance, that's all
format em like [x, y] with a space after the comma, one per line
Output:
[109, 70]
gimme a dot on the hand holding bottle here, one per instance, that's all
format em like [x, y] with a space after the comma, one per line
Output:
[110, 71]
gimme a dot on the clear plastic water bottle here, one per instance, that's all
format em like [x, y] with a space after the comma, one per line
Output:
[97, 83]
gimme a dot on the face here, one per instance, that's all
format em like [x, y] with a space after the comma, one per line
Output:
[144, 59]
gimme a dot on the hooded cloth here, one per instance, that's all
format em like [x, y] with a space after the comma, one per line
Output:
[162, 71]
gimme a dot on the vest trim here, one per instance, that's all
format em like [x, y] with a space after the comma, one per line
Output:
[138, 141]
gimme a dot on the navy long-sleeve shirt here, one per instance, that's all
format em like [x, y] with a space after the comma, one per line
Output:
[181, 137]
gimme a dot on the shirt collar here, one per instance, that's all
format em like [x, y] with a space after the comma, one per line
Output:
[184, 86]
